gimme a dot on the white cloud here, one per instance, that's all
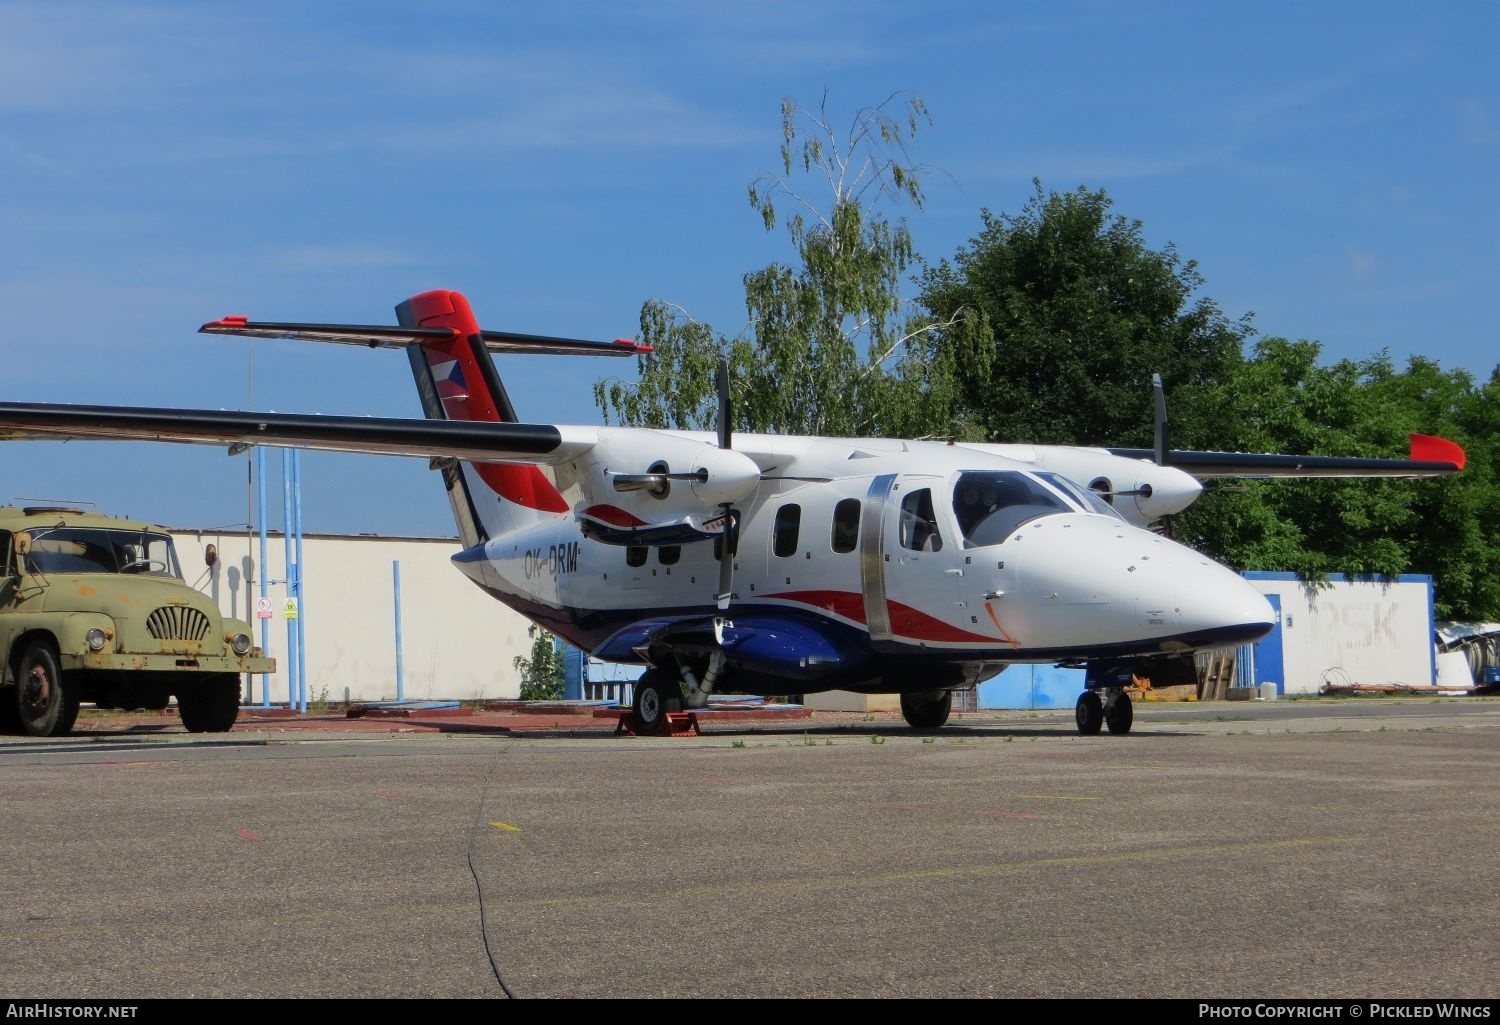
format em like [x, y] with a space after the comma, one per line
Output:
[337, 257]
[1479, 126]
[1362, 264]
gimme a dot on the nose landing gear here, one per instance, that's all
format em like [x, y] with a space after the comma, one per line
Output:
[1113, 710]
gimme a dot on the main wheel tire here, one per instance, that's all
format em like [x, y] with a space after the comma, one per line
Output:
[1120, 714]
[46, 700]
[926, 711]
[656, 694]
[1090, 713]
[211, 705]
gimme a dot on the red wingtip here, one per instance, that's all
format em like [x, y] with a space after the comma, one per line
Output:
[1429, 449]
[632, 343]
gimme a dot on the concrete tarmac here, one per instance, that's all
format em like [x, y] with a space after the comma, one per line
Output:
[1234, 850]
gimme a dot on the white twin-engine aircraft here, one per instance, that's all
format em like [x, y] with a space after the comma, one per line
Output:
[777, 565]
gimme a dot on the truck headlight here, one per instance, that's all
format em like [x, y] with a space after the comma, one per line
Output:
[95, 639]
[240, 643]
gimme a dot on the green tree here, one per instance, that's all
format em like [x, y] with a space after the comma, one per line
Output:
[541, 671]
[1283, 400]
[830, 346]
[1078, 313]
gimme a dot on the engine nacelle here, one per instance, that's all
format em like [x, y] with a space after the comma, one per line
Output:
[654, 478]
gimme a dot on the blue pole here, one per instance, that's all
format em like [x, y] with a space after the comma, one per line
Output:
[260, 519]
[301, 612]
[396, 582]
[291, 625]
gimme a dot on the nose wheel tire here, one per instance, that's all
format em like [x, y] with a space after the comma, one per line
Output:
[1090, 713]
[1120, 714]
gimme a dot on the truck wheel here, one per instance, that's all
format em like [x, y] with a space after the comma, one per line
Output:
[212, 705]
[10, 715]
[46, 700]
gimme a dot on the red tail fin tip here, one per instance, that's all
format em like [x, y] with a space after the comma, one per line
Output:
[1429, 449]
[469, 397]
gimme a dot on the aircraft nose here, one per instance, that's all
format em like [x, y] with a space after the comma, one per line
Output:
[1217, 603]
[1091, 580]
[1190, 597]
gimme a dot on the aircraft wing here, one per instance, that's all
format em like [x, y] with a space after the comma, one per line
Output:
[477, 441]
[1430, 457]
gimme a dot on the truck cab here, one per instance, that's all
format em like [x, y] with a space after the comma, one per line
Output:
[94, 608]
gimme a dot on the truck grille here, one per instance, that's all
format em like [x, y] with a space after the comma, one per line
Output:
[177, 623]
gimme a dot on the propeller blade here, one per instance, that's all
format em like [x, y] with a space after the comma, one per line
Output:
[726, 562]
[1161, 421]
[731, 518]
[726, 409]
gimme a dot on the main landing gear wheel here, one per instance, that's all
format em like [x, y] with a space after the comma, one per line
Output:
[926, 711]
[656, 694]
[1090, 713]
[1119, 715]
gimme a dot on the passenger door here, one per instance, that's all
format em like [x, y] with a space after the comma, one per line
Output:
[920, 563]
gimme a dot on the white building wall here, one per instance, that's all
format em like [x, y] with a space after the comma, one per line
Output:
[457, 642]
[1353, 631]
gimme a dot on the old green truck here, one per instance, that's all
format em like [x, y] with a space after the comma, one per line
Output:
[94, 609]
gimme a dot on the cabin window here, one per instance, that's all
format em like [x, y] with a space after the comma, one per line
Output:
[635, 556]
[7, 541]
[919, 529]
[669, 554]
[788, 524]
[846, 525]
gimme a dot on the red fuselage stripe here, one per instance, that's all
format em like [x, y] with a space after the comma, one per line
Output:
[905, 620]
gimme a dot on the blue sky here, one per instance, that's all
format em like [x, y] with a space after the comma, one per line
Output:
[1332, 167]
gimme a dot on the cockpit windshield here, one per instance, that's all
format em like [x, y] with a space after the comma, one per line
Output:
[96, 550]
[1085, 497]
[991, 504]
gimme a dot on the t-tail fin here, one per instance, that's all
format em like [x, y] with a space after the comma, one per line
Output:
[457, 380]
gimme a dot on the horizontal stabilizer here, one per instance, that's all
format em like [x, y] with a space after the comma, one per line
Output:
[476, 441]
[378, 337]
[1430, 457]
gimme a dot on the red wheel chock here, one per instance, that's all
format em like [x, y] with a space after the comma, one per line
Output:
[679, 724]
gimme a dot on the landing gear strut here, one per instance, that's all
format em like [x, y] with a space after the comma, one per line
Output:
[1113, 710]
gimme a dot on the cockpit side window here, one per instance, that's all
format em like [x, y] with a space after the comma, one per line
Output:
[919, 529]
[991, 504]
